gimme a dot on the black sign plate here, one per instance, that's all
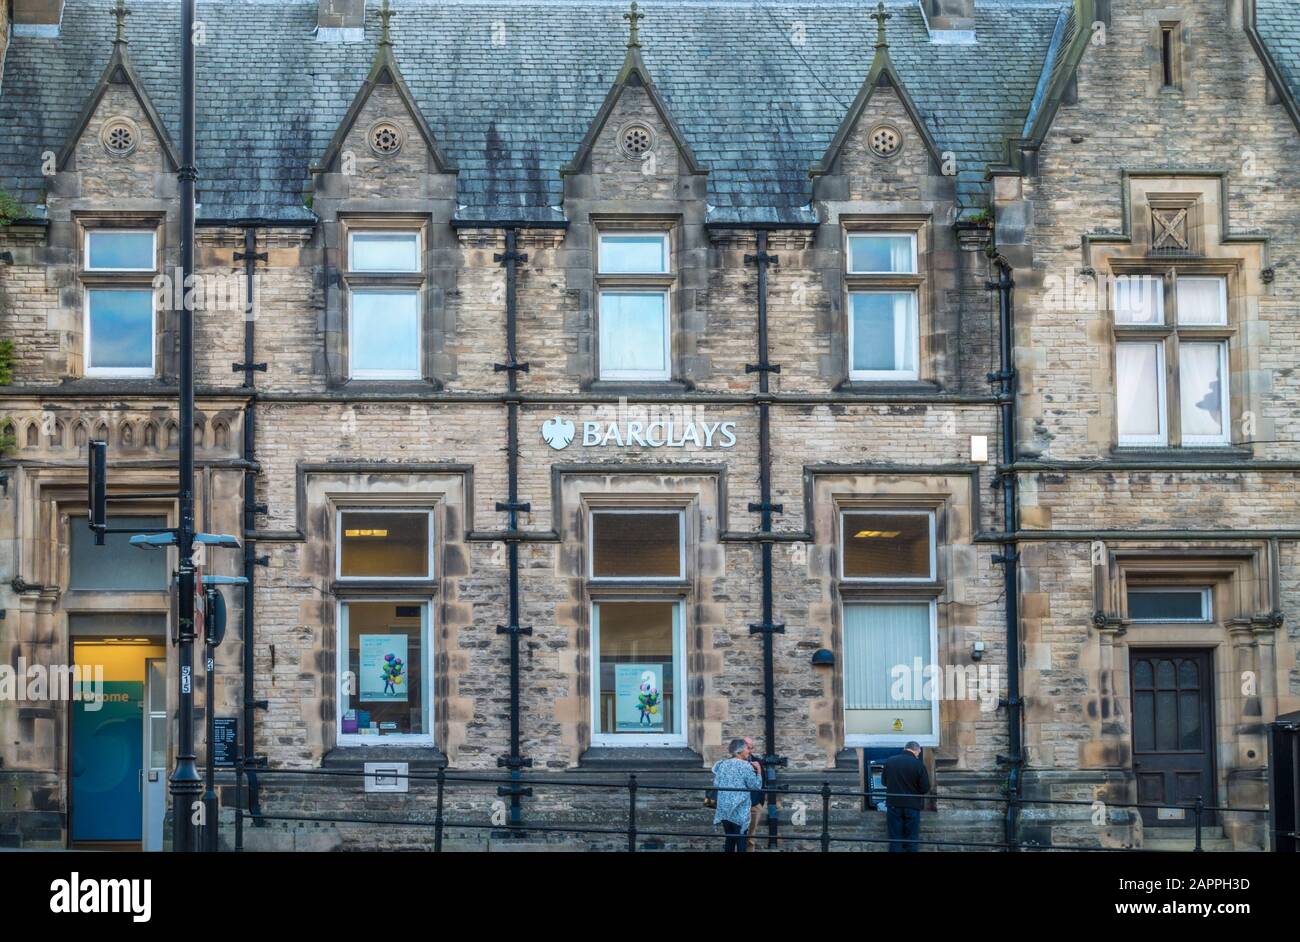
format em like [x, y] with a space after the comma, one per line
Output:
[225, 740]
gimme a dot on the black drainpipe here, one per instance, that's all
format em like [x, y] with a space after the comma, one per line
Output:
[767, 628]
[250, 257]
[1005, 381]
[515, 762]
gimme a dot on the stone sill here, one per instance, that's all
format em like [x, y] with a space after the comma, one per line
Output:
[1191, 456]
[886, 388]
[623, 760]
[631, 388]
[420, 758]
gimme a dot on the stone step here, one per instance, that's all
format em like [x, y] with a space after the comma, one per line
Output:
[1222, 845]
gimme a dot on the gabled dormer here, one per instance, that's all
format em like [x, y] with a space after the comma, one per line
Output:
[883, 148]
[634, 197]
[385, 193]
[113, 233]
[383, 147]
[119, 147]
[633, 148]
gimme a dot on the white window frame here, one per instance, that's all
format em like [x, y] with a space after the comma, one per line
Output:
[362, 508]
[852, 234]
[640, 375]
[665, 740]
[1207, 604]
[631, 287]
[913, 372]
[119, 372]
[664, 239]
[1225, 435]
[627, 511]
[153, 249]
[353, 372]
[1223, 299]
[885, 511]
[376, 281]
[1162, 408]
[417, 234]
[1162, 314]
[855, 740]
[426, 667]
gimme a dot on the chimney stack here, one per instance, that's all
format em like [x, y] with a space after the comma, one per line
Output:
[341, 21]
[949, 17]
[37, 17]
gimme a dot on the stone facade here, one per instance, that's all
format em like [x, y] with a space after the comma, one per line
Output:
[1096, 517]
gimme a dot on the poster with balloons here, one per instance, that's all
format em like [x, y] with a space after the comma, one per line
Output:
[385, 674]
[638, 698]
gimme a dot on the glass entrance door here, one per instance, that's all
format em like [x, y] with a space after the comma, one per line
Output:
[154, 773]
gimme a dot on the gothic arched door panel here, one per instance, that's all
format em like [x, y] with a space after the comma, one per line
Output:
[1173, 733]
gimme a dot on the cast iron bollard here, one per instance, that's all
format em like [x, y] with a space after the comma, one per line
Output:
[437, 813]
[1198, 810]
[826, 817]
[631, 813]
[239, 798]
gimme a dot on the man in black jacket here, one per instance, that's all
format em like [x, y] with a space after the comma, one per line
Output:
[907, 782]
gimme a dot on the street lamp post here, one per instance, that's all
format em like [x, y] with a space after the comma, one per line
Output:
[186, 786]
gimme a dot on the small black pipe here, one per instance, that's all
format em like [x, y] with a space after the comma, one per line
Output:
[767, 628]
[515, 762]
[1005, 381]
[250, 258]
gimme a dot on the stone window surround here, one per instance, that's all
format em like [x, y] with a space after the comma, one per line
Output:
[917, 225]
[1239, 638]
[425, 592]
[77, 601]
[419, 224]
[1237, 579]
[679, 591]
[849, 590]
[395, 508]
[597, 506]
[632, 224]
[88, 278]
[1168, 20]
[425, 740]
[1169, 270]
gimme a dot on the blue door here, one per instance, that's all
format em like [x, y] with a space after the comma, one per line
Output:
[107, 755]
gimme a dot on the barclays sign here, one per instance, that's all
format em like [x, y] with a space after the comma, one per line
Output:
[559, 432]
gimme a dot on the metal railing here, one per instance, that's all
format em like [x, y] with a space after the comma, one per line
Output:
[635, 788]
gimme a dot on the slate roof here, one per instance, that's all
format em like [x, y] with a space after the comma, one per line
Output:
[1278, 24]
[758, 109]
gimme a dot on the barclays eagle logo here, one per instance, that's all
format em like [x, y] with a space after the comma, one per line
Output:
[558, 432]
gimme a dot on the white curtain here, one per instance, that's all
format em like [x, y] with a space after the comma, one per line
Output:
[1137, 389]
[1139, 299]
[900, 254]
[878, 637]
[1201, 378]
[1202, 301]
[905, 330]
